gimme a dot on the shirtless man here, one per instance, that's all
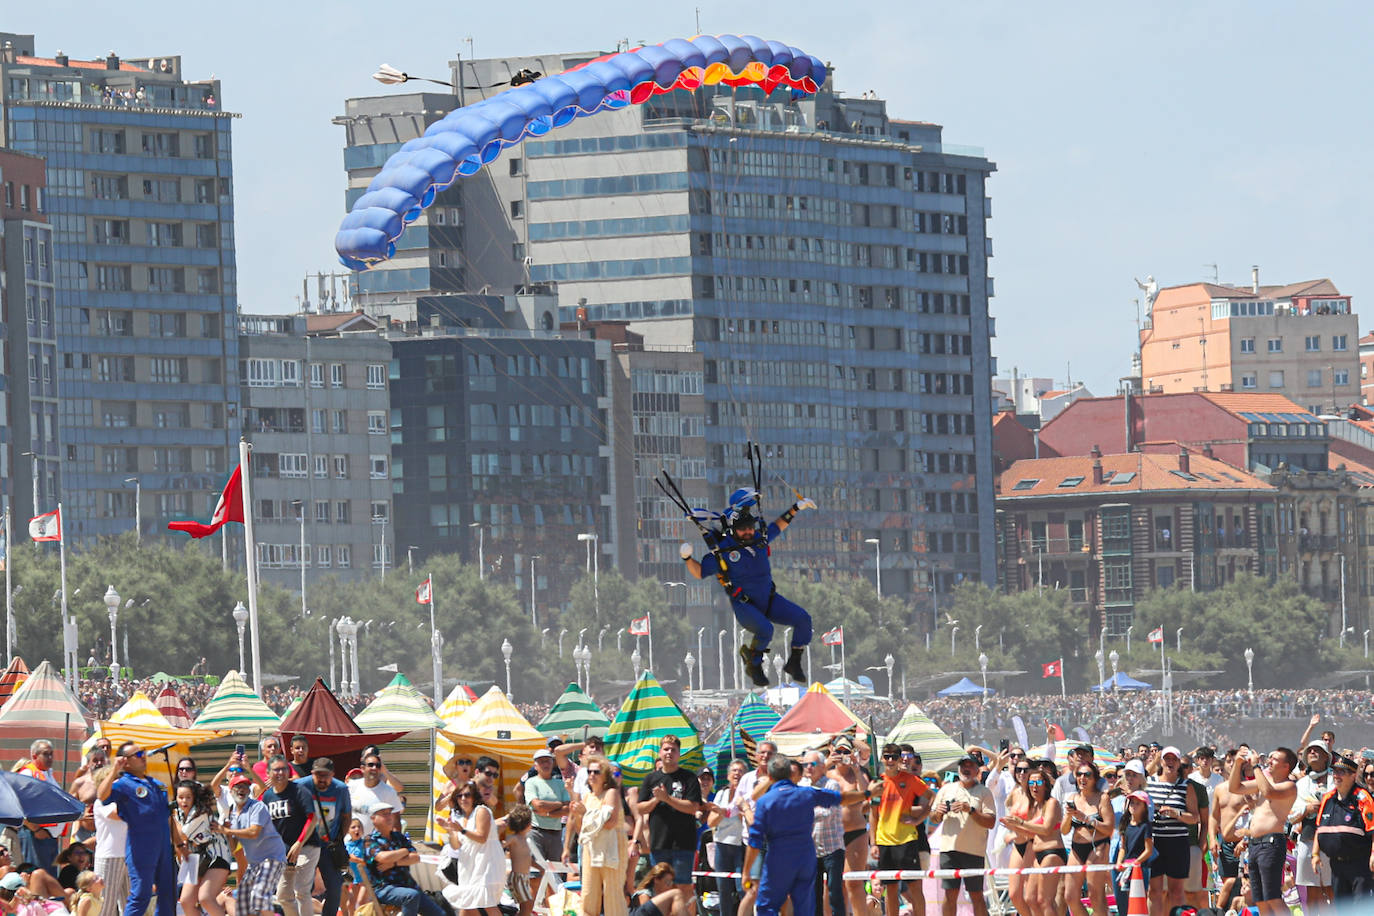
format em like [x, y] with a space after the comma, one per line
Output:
[1268, 843]
[854, 819]
[1226, 809]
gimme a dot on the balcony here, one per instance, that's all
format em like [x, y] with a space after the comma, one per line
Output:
[1314, 542]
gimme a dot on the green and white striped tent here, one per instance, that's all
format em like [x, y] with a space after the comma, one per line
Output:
[43, 707]
[648, 714]
[570, 713]
[937, 749]
[398, 708]
[235, 707]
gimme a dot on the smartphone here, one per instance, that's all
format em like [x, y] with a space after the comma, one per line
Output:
[239, 749]
[1003, 745]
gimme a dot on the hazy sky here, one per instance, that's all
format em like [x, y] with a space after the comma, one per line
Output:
[1154, 140]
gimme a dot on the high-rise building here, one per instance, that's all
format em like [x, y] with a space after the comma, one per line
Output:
[144, 354]
[28, 403]
[827, 262]
[1299, 340]
[316, 408]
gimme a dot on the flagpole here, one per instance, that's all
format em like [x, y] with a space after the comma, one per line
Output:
[648, 619]
[69, 649]
[435, 645]
[1063, 691]
[9, 589]
[843, 676]
[250, 559]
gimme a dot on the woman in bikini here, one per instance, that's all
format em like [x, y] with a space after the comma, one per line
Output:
[1018, 806]
[1089, 822]
[1046, 848]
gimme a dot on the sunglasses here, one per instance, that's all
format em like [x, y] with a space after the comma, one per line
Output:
[593, 772]
[1035, 782]
[1081, 773]
[138, 754]
[185, 769]
[492, 773]
[465, 762]
[1017, 755]
[1021, 770]
[372, 766]
[890, 757]
[841, 752]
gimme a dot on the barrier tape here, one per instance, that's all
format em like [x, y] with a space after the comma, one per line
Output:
[907, 875]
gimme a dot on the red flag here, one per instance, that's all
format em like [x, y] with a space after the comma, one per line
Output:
[425, 593]
[833, 637]
[1057, 732]
[640, 626]
[228, 509]
[1053, 669]
[1157, 634]
[46, 527]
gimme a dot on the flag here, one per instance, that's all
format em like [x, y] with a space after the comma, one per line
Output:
[833, 637]
[46, 527]
[425, 593]
[1053, 669]
[640, 626]
[228, 509]
[1157, 635]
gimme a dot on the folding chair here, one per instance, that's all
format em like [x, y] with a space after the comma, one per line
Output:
[549, 880]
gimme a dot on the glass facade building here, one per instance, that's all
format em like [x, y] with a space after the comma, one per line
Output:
[145, 362]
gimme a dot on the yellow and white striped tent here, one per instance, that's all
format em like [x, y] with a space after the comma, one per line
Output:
[453, 707]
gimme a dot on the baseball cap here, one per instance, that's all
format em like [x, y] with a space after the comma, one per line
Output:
[1084, 749]
[1140, 794]
[1171, 750]
[543, 753]
[322, 765]
[1134, 766]
[1317, 742]
[554, 742]
[239, 780]
[12, 881]
[378, 808]
[967, 758]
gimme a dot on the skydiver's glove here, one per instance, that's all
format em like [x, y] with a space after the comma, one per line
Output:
[805, 502]
[685, 551]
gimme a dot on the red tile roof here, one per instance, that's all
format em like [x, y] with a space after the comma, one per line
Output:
[1254, 402]
[75, 64]
[338, 321]
[1138, 471]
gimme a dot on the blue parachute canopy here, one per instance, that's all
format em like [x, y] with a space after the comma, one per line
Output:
[465, 140]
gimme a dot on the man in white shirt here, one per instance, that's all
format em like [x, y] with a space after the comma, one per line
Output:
[371, 789]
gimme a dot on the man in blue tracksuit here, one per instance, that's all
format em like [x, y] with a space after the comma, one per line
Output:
[741, 553]
[781, 833]
[141, 802]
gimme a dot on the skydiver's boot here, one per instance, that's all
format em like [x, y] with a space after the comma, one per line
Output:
[793, 668]
[753, 665]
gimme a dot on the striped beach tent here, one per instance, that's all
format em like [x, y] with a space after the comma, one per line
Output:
[171, 707]
[572, 712]
[166, 744]
[43, 707]
[15, 674]
[399, 707]
[756, 717]
[937, 749]
[137, 710]
[817, 717]
[751, 721]
[453, 707]
[648, 714]
[235, 707]
[493, 726]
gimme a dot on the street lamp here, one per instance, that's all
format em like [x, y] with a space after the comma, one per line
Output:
[636, 659]
[690, 661]
[720, 658]
[954, 631]
[410, 559]
[600, 636]
[701, 655]
[533, 619]
[240, 619]
[1250, 672]
[777, 666]
[112, 607]
[138, 509]
[299, 504]
[1178, 640]
[983, 667]
[561, 634]
[977, 642]
[1114, 657]
[1128, 639]
[1366, 644]
[1101, 671]
[888, 662]
[877, 563]
[481, 549]
[506, 651]
[594, 560]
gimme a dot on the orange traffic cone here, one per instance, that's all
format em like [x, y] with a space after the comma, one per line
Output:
[1138, 903]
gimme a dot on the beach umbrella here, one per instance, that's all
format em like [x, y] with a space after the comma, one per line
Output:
[648, 714]
[571, 713]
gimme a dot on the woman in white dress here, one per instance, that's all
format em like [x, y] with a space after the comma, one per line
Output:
[473, 842]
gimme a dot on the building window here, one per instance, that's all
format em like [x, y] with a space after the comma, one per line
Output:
[1247, 345]
[1276, 345]
[1116, 578]
[336, 375]
[1249, 380]
[1312, 343]
[1340, 377]
[322, 515]
[341, 513]
[166, 370]
[291, 465]
[321, 466]
[263, 373]
[343, 556]
[1314, 378]
[376, 422]
[322, 556]
[341, 467]
[317, 375]
[381, 556]
[290, 373]
[1338, 342]
[380, 511]
[340, 421]
[1276, 378]
[318, 420]
[378, 465]
[517, 209]
[376, 376]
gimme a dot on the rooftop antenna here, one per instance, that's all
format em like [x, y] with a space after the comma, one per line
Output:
[1216, 275]
[698, 20]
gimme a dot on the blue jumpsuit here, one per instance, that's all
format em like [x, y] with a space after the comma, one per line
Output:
[748, 569]
[783, 819]
[142, 805]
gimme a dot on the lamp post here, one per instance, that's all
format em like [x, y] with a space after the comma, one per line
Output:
[977, 641]
[1178, 640]
[888, 662]
[333, 684]
[619, 635]
[112, 608]
[436, 648]
[138, 509]
[636, 659]
[533, 618]
[543, 635]
[506, 651]
[701, 656]
[410, 559]
[983, 667]
[953, 632]
[1128, 639]
[300, 557]
[777, 667]
[1366, 644]
[561, 634]
[593, 542]
[690, 661]
[600, 636]
[481, 549]
[1114, 657]
[720, 658]
[1101, 671]
[240, 620]
[1250, 672]
[877, 563]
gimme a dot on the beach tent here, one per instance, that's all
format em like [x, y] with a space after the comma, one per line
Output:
[331, 731]
[648, 714]
[43, 707]
[752, 720]
[857, 689]
[400, 711]
[494, 727]
[15, 674]
[572, 712]
[817, 717]
[398, 707]
[964, 688]
[449, 711]
[171, 707]
[937, 749]
[1121, 681]
[236, 708]
[137, 710]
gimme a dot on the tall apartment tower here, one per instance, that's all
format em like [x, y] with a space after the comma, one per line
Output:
[139, 361]
[828, 263]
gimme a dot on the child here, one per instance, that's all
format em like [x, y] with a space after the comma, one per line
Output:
[355, 891]
[1135, 844]
[89, 887]
[518, 823]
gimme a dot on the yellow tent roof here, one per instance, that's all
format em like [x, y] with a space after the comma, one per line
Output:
[451, 710]
[137, 710]
[454, 705]
[155, 738]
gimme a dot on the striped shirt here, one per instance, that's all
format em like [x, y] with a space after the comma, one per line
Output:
[1172, 795]
[828, 829]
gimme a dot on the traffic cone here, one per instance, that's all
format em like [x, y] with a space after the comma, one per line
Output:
[1138, 903]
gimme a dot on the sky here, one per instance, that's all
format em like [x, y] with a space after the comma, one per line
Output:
[1156, 140]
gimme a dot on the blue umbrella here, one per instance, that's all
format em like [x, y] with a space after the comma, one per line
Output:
[25, 798]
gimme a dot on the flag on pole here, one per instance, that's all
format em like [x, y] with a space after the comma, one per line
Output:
[46, 527]
[1053, 669]
[833, 637]
[640, 626]
[1157, 635]
[424, 594]
[228, 509]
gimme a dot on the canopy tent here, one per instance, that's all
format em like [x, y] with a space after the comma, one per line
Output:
[857, 689]
[399, 707]
[1101, 756]
[756, 717]
[751, 720]
[235, 707]
[571, 713]
[1121, 681]
[291, 707]
[731, 744]
[965, 688]
[453, 707]
[331, 731]
[817, 717]
[43, 707]
[137, 710]
[171, 707]
[937, 749]
[162, 677]
[648, 714]
[494, 727]
[165, 744]
[15, 674]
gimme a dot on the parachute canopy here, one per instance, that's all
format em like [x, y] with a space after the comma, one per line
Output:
[464, 140]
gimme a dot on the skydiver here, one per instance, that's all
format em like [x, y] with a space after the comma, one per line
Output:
[743, 547]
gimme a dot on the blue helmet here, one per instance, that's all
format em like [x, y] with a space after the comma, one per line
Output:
[742, 510]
